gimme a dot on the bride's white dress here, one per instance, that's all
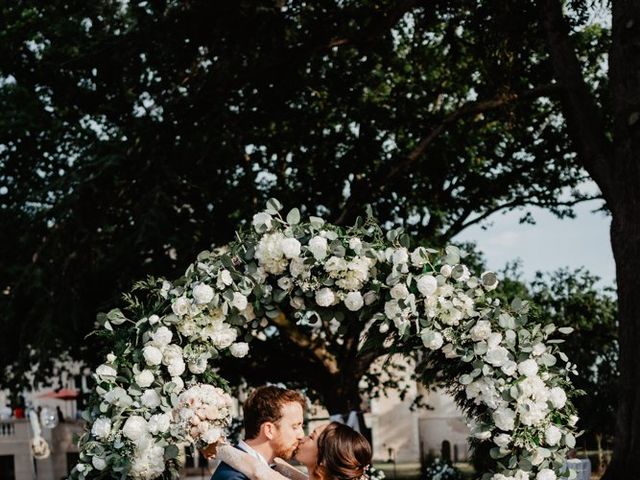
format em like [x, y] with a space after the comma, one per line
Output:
[254, 468]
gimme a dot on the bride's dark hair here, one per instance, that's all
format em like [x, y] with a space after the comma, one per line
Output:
[343, 453]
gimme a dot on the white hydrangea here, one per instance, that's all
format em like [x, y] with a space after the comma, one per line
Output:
[150, 399]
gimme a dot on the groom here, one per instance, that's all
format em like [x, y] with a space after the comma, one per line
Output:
[273, 420]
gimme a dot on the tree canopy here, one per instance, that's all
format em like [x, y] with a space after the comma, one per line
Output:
[135, 135]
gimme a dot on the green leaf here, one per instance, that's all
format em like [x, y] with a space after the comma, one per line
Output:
[170, 452]
[293, 217]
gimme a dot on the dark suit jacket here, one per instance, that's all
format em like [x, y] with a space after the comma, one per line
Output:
[225, 472]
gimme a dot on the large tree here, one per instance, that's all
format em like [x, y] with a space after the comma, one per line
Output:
[135, 135]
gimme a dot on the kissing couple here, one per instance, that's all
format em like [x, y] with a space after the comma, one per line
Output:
[273, 424]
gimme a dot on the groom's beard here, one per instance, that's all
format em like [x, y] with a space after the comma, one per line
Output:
[284, 451]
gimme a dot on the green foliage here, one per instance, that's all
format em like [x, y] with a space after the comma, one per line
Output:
[134, 135]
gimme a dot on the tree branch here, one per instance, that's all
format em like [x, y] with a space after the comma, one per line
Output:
[584, 118]
[303, 341]
[378, 183]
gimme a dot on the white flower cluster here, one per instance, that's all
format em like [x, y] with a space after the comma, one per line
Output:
[204, 411]
[513, 375]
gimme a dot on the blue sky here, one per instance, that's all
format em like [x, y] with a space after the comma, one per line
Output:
[549, 244]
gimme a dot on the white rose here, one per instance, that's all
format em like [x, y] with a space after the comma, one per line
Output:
[354, 301]
[144, 378]
[98, 463]
[400, 256]
[427, 285]
[135, 428]
[153, 319]
[290, 247]
[101, 428]
[538, 349]
[521, 475]
[106, 371]
[419, 257]
[152, 355]
[161, 337]
[176, 367]
[239, 349]
[446, 270]
[528, 368]
[546, 474]
[260, 219]
[159, 423]
[202, 294]
[118, 397]
[432, 340]
[181, 306]
[558, 397]
[225, 277]
[552, 435]
[150, 399]
[480, 331]
[497, 356]
[504, 418]
[318, 247]
[111, 358]
[325, 297]
[224, 337]
[239, 301]
[399, 291]
[502, 440]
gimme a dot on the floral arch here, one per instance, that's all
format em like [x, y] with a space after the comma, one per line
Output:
[506, 369]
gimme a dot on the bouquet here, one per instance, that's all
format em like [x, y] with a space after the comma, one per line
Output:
[204, 412]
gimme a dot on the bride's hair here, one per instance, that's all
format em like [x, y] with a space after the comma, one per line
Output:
[343, 453]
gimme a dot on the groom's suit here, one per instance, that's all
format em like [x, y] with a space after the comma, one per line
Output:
[226, 472]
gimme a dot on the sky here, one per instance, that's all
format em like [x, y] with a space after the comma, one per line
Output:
[550, 244]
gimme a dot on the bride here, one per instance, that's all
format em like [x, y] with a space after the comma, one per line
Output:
[332, 451]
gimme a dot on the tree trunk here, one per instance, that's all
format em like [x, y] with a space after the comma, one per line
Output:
[624, 65]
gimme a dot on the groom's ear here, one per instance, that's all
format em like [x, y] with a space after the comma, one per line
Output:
[269, 430]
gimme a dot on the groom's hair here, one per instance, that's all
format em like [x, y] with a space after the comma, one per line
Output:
[265, 405]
